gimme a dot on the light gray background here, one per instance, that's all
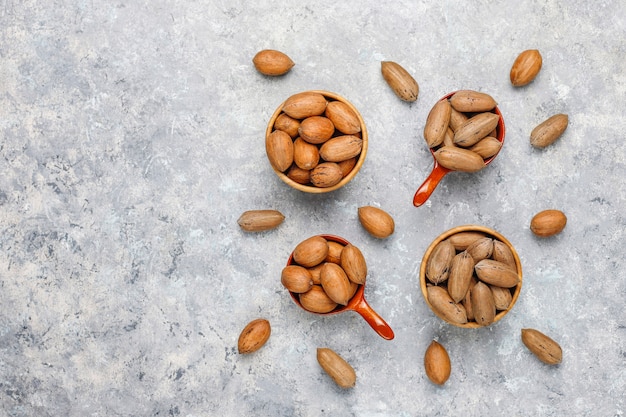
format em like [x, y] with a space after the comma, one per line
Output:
[132, 138]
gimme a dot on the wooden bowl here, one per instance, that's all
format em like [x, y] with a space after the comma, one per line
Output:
[309, 188]
[489, 233]
[438, 172]
[357, 303]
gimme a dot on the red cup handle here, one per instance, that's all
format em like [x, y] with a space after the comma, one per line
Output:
[426, 189]
[372, 318]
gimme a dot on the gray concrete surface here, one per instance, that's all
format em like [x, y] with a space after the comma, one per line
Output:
[132, 140]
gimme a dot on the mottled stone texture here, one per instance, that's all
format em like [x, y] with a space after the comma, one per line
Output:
[132, 138]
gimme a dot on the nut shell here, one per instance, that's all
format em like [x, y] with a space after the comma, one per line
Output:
[316, 273]
[343, 118]
[542, 346]
[456, 119]
[296, 278]
[260, 220]
[271, 62]
[462, 240]
[502, 297]
[444, 305]
[461, 271]
[317, 301]
[299, 175]
[502, 253]
[483, 305]
[305, 104]
[346, 166]
[336, 367]
[459, 159]
[341, 148]
[548, 131]
[439, 262]
[353, 264]
[335, 283]
[497, 273]
[316, 129]
[326, 174]
[437, 123]
[437, 363]
[448, 138]
[376, 221]
[548, 223]
[311, 251]
[525, 67]
[254, 336]
[475, 129]
[400, 80]
[470, 101]
[481, 249]
[279, 150]
[334, 252]
[306, 156]
[487, 147]
[467, 301]
[287, 124]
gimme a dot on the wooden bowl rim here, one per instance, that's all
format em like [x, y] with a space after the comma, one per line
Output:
[470, 228]
[355, 169]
